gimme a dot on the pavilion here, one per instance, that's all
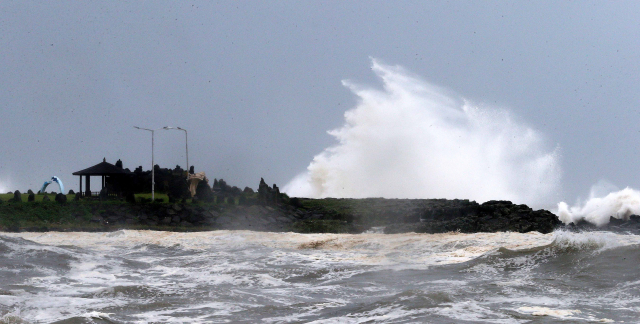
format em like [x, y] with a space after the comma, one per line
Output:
[103, 169]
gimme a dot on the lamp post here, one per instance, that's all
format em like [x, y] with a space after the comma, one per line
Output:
[153, 172]
[186, 141]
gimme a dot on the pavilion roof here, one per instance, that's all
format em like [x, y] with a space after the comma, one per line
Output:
[102, 168]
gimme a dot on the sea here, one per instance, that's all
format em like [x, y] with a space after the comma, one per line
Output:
[131, 276]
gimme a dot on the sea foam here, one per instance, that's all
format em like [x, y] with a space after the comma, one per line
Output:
[412, 139]
[599, 208]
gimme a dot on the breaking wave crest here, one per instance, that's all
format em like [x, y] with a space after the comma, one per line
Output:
[599, 208]
[411, 139]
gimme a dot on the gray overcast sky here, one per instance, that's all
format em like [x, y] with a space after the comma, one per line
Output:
[258, 84]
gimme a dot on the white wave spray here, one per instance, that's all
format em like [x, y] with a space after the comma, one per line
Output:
[604, 202]
[412, 139]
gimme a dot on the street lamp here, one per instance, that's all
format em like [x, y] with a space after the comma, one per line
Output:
[153, 172]
[186, 141]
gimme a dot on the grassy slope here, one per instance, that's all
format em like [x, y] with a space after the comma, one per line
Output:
[72, 216]
[5, 197]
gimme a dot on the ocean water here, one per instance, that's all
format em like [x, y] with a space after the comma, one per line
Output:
[255, 277]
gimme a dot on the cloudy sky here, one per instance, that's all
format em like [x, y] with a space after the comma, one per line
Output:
[258, 84]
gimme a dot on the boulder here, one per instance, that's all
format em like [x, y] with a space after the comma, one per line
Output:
[61, 198]
[130, 197]
[268, 195]
[46, 198]
[32, 197]
[103, 194]
[17, 196]
[71, 192]
[78, 196]
[29, 192]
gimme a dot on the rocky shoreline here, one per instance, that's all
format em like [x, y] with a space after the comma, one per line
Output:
[301, 215]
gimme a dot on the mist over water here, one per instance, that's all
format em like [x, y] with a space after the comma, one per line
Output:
[411, 139]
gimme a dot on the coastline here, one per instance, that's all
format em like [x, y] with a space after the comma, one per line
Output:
[300, 215]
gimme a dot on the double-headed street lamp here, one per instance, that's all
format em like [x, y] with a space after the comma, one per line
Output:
[186, 141]
[153, 173]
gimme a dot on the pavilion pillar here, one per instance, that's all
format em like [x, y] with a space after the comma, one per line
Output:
[80, 188]
[87, 190]
[102, 177]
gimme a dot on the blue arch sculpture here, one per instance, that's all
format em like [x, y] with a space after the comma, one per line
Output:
[53, 179]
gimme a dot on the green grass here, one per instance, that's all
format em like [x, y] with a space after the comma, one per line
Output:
[5, 197]
[163, 196]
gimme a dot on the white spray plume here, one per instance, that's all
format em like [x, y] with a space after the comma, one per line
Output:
[414, 140]
[605, 200]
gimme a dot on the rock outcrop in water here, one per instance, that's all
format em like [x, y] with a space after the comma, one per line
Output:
[629, 224]
[471, 217]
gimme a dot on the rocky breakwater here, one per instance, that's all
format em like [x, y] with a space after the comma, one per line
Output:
[337, 216]
[439, 216]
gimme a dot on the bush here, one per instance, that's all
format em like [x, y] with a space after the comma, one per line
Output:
[295, 202]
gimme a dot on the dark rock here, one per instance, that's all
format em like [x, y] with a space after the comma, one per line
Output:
[29, 192]
[295, 202]
[103, 194]
[130, 197]
[78, 196]
[17, 196]
[267, 195]
[616, 221]
[31, 197]
[61, 198]
[46, 198]
[71, 192]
